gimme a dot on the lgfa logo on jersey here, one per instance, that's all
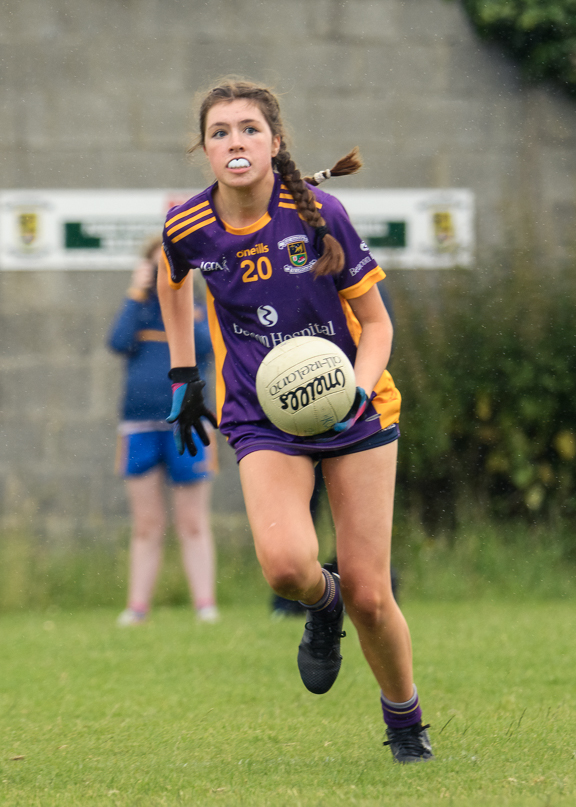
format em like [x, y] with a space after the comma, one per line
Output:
[214, 266]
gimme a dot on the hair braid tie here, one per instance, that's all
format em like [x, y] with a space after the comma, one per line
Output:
[322, 231]
[322, 176]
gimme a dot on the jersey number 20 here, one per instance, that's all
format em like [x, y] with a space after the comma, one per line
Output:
[262, 270]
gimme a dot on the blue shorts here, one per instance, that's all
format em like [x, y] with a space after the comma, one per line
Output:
[141, 452]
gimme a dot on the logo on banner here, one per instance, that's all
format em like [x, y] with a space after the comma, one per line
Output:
[28, 228]
[443, 229]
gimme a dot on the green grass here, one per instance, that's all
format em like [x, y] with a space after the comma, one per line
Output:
[176, 713]
[482, 560]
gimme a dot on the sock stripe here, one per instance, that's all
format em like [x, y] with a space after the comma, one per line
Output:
[403, 711]
[330, 600]
[401, 715]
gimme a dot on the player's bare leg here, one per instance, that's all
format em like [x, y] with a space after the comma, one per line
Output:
[277, 491]
[361, 492]
[192, 523]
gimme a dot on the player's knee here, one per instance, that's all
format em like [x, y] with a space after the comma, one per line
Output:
[288, 580]
[367, 607]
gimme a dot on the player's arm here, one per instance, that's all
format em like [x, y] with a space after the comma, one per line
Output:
[177, 306]
[375, 342]
[372, 355]
[188, 407]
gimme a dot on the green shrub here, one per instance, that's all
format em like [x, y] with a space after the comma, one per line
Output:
[540, 34]
[486, 363]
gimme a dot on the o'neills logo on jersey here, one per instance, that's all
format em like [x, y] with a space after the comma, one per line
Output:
[273, 339]
[214, 266]
[259, 249]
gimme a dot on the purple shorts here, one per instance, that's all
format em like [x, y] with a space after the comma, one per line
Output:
[379, 438]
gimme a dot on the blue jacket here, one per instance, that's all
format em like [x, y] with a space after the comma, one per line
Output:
[138, 334]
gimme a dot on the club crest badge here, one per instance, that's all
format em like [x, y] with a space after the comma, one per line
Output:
[297, 253]
[27, 224]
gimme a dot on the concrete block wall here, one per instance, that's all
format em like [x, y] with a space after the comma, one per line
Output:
[59, 393]
[98, 94]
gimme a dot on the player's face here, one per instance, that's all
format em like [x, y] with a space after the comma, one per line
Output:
[239, 144]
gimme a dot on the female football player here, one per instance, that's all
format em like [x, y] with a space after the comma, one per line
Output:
[281, 260]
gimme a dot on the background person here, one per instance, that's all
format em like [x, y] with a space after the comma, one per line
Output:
[147, 457]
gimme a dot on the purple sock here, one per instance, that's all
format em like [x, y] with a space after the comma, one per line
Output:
[401, 715]
[331, 601]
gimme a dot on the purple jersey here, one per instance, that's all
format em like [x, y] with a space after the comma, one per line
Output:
[260, 293]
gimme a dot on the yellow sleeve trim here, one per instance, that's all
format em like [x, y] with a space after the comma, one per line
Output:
[164, 259]
[186, 213]
[193, 229]
[181, 224]
[374, 276]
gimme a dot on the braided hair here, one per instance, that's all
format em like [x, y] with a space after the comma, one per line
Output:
[331, 261]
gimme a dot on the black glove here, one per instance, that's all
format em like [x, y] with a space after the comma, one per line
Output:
[187, 408]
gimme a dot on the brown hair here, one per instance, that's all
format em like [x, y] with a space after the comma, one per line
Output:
[332, 259]
[150, 246]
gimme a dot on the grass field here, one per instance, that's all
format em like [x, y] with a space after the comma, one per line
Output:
[175, 713]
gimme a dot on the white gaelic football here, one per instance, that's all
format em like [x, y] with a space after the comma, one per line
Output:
[305, 385]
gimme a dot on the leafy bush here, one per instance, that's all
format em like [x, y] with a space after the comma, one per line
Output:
[541, 34]
[486, 363]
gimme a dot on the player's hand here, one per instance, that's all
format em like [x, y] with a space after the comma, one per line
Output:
[361, 401]
[357, 409]
[188, 408]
